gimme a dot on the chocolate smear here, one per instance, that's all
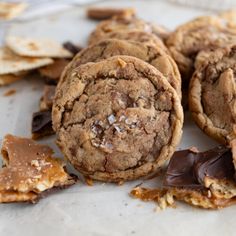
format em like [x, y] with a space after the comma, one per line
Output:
[188, 169]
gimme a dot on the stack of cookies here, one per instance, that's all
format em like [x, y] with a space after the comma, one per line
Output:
[118, 114]
[205, 52]
[117, 110]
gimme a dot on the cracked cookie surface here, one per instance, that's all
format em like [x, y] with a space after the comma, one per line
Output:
[199, 34]
[148, 53]
[138, 36]
[117, 119]
[212, 95]
[125, 24]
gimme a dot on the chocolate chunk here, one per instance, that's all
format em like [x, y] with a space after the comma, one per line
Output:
[41, 124]
[216, 163]
[189, 169]
[180, 171]
[72, 47]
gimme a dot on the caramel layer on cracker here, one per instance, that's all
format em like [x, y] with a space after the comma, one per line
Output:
[29, 170]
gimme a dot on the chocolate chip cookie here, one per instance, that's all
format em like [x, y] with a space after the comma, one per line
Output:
[149, 53]
[120, 24]
[199, 34]
[138, 36]
[117, 119]
[212, 94]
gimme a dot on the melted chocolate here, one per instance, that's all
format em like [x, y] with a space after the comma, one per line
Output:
[188, 169]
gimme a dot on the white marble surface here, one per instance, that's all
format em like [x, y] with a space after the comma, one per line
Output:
[104, 209]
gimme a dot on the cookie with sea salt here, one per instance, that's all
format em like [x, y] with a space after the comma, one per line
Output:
[117, 119]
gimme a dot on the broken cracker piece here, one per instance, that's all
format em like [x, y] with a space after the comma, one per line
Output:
[162, 197]
[167, 197]
[37, 47]
[10, 63]
[99, 13]
[202, 199]
[29, 170]
[10, 10]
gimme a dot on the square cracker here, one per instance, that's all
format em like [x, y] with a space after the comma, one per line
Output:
[9, 10]
[10, 63]
[37, 47]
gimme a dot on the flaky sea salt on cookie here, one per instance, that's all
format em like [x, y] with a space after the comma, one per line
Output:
[9, 10]
[10, 63]
[37, 47]
[117, 119]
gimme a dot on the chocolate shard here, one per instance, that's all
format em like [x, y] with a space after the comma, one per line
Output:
[189, 169]
[180, 171]
[74, 49]
[216, 163]
[41, 124]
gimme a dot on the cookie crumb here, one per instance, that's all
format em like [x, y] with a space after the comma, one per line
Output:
[9, 93]
[89, 181]
[120, 183]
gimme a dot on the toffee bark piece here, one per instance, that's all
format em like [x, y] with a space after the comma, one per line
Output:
[201, 179]
[41, 124]
[99, 13]
[189, 169]
[47, 99]
[197, 198]
[29, 171]
[212, 95]
[117, 119]
[124, 24]
[148, 53]
[53, 71]
[192, 37]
